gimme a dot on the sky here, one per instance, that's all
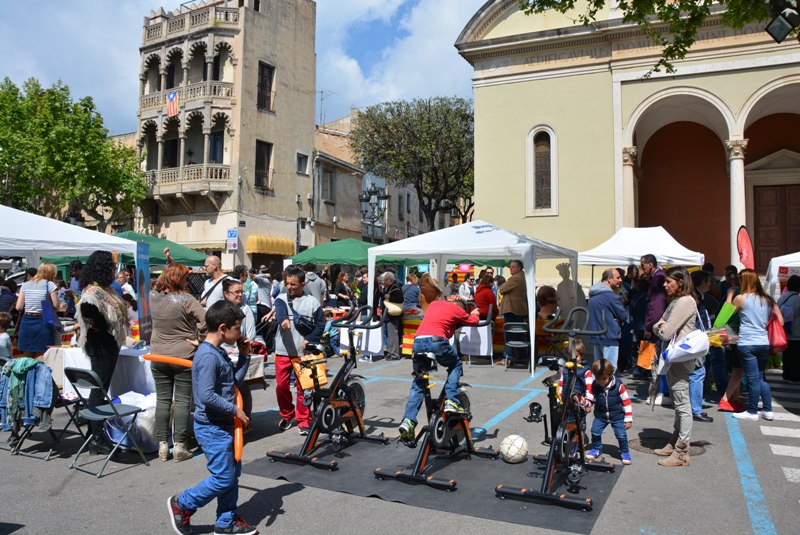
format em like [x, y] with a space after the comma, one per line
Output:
[368, 51]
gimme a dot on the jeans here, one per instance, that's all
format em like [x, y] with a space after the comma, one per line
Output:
[223, 483]
[172, 383]
[696, 380]
[445, 356]
[510, 317]
[716, 356]
[754, 361]
[283, 391]
[610, 353]
[620, 432]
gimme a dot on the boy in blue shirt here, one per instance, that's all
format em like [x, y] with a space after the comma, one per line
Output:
[213, 382]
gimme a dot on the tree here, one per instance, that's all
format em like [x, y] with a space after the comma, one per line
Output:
[672, 24]
[424, 143]
[56, 153]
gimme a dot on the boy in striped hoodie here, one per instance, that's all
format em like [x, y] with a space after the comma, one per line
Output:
[612, 405]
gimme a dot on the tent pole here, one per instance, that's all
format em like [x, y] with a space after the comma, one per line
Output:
[592, 274]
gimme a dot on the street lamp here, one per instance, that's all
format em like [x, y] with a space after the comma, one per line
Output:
[373, 206]
[784, 20]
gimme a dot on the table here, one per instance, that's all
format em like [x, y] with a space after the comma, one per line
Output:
[474, 340]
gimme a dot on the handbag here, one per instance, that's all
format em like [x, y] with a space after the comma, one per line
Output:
[393, 309]
[647, 351]
[692, 346]
[776, 334]
[302, 324]
[50, 317]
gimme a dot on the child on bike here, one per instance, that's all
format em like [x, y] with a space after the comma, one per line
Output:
[612, 405]
[330, 335]
[213, 382]
[438, 325]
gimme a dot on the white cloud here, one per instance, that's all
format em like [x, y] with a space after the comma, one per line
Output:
[421, 63]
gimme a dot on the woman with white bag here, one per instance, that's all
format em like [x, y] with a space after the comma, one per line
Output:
[679, 319]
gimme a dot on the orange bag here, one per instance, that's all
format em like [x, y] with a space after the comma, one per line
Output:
[647, 350]
[303, 373]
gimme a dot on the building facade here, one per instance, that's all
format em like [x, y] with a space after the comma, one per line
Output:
[226, 127]
[575, 137]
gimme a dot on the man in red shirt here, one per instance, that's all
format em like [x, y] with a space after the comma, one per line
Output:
[438, 325]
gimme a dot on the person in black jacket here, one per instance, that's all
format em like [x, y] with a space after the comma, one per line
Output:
[391, 292]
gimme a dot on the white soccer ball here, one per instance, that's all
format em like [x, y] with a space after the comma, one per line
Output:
[514, 449]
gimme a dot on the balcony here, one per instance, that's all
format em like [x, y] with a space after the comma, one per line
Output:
[212, 181]
[198, 92]
[190, 22]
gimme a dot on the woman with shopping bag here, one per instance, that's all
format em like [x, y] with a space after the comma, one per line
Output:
[679, 319]
[755, 310]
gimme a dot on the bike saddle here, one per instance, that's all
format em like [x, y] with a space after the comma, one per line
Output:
[426, 360]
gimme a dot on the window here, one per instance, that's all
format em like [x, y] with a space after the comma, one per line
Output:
[408, 203]
[263, 162]
[266, 76]
[401, 215]
[170, 153]
[170, 76]
[216, 68]
[421, 214]
[542, 172]
[327, 187]
[216, 146]
[302, 163]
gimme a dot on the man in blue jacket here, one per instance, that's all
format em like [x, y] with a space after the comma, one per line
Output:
[603, 298]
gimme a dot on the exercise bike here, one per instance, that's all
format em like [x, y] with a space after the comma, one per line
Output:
[565, 462]
[338, 408]
[446, 433]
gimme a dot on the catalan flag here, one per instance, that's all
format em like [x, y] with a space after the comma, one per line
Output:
[172, 104]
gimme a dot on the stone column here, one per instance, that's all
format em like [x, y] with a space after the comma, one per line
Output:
[142, 84]
[628, 192]
[163, 73]
[160, 140]
[182, 148]
[185, 79]
[209, 73]
[736, 148]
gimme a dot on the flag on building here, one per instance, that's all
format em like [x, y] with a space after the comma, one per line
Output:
[172, 104]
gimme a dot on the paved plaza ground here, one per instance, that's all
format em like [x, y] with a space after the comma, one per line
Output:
[746, 481]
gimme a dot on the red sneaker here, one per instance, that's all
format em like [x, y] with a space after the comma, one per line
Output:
[726, 406]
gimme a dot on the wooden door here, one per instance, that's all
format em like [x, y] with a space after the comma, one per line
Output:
[777, 222]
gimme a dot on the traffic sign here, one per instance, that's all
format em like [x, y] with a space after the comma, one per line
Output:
[232, 245]
[233, 234]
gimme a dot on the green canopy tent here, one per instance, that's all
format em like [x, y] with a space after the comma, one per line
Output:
[348, 251]
[179, 253]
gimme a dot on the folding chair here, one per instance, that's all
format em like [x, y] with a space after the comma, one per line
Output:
[517, 337]
[88, 380]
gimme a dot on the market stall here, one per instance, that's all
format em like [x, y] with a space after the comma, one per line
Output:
[477, 241]
[779, 270]
[630, 244]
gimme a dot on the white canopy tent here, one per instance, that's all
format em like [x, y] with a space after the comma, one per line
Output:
[629, 245]
[476, 240]
[33, 236]
[771, 282]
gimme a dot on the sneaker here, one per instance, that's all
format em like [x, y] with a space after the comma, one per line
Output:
[303, 430]
[746, 416]
[365, 358]
[179, 516]
[767, 415]
[593, 454]
[239, 526]
[407, 428]
[285, 425]
[452, 406]
[658, 400]
[626, 458]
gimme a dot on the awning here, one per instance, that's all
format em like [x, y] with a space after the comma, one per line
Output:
[269, 245]
[214, 245]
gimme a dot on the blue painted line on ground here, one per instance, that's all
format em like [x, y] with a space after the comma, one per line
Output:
[372, 378]
[271, 409]
[382, 366]
[760, 519]
[508, 411]
[531, 378]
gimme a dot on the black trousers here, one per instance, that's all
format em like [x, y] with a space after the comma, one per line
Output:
[103, 352]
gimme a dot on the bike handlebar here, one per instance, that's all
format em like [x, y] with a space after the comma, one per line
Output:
[574, 331]
[481, 323]
[349, 319]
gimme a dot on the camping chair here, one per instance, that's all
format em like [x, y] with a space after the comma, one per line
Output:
[517, 337]
[88, 380]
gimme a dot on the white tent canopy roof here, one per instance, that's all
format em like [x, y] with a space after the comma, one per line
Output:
[33, 236]
[789, 260]
[629, 245]
[476, 240]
